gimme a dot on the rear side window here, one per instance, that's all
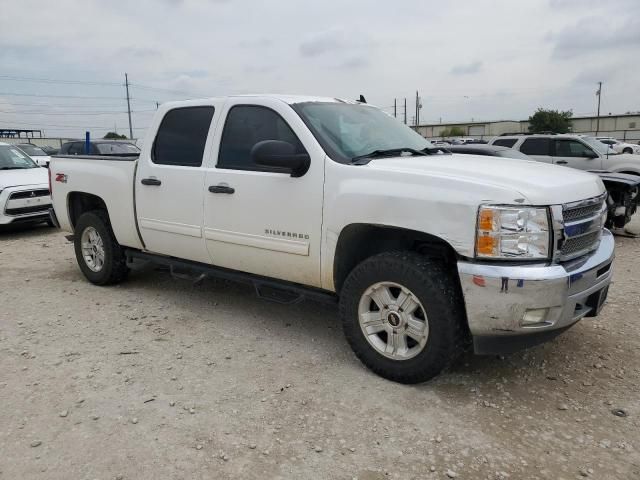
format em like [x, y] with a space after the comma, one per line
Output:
[572, 148]
[247, 125]
[505, 142]
[182, 136]
[535, 146]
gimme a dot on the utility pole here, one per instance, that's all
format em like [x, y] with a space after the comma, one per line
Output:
[599, 94]
[126, 84]
[417, 109]
[405, 110]
[395, 108]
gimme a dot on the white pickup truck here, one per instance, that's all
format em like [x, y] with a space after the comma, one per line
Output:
[337, 200]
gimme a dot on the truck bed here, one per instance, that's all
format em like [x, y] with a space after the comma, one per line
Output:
[110, 177]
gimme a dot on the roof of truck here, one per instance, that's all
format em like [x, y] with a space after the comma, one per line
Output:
[298, 98]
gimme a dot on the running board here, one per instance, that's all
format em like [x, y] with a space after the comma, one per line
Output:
[274, 290]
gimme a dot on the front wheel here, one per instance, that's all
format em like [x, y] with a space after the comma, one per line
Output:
[627, 150]
[403, 315]
[98, 253]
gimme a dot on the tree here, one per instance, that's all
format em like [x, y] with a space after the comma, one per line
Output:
[550, 121]
[114, 136]
[452, 132]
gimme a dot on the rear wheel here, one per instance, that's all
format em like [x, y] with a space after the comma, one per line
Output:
[403, 315]
[98, 253]
[627, 150]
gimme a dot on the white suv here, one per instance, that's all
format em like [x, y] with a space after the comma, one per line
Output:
[576, 151]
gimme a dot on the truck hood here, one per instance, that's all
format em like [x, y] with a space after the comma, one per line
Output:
[27, 176]
[538, 183]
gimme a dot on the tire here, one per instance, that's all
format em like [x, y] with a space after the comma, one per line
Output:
[113, 266]
[439, 297]
[627, 150]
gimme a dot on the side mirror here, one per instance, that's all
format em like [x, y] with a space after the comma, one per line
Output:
[279, 154]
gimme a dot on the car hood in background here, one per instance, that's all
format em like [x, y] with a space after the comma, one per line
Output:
[27, 176]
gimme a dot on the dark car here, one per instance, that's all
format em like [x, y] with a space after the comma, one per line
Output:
[49, 150]
[623, 189]
[99, 148]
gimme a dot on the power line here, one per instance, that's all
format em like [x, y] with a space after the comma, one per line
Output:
[19, 112]
[51, 80]
[61, 96]
[63, 126]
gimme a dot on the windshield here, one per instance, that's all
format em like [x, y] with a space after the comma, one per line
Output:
[347, 130]
[116, 148]
[11, 158]
[598, 146]
[32, 150]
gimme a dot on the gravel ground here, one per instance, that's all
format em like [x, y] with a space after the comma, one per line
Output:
[157, 378]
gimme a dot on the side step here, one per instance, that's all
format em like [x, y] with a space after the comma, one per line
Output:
[271, 289]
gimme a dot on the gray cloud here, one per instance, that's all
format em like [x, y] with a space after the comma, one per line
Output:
[321, 43]
[467, 69]
[594, 34]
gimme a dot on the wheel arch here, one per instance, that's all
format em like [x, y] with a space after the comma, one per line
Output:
[81, 202]
[359, 241]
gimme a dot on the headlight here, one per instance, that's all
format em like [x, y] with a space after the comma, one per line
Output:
[513, 233]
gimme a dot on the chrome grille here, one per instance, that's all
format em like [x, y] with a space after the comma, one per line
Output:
[584, 243]
[41, 192]
[583, 222]
[579, 213]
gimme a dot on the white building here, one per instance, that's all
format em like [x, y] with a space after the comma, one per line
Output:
[623, 127]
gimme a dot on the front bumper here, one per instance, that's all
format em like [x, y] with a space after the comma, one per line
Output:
[29, 209]
[513, 307]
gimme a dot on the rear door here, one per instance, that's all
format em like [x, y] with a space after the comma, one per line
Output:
[573, 153]
[258, 219]
[538, 148]
[169, 182]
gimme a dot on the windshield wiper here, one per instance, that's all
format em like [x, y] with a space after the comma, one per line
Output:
[435, 150]
[390, 152]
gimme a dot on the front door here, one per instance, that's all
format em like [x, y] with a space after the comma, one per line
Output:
[575, 154]
[259, 219]
[170, 181]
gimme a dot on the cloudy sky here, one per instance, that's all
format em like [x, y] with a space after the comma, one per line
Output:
[477, 59]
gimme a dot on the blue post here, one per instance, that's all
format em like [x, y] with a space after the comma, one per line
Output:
[87, 143]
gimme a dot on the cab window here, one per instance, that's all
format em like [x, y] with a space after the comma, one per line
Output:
[247, 125]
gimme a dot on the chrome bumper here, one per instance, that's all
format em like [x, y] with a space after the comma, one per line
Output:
[505, 301]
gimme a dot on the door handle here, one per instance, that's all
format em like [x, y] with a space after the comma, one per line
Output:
[221, 189]
[151, 181]
[561, 162]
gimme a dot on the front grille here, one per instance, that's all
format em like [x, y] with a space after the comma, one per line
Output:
[24, 210]
[579, 213]
[582, 244]
[43, 192]
[583, 223]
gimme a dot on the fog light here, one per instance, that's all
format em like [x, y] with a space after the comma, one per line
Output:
[534, 316]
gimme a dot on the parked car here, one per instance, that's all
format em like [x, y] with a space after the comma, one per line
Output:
[623, 189]
[106, 147]
[576, 151]
[49, 150]
[618, 146]
[336, 200]
[24, 188]
[36, 153]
